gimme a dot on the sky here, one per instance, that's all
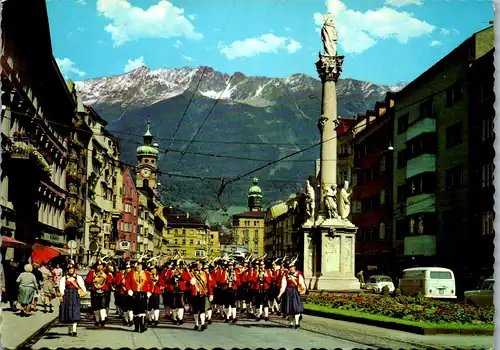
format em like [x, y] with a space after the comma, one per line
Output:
[383, 41]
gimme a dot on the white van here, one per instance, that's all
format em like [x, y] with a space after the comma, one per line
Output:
[431, 282]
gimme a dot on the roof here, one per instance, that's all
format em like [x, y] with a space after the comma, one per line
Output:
[260, 214]
[276, 210]
[345, 125]
[183, 220]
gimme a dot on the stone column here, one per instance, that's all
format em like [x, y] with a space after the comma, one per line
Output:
[329, 68]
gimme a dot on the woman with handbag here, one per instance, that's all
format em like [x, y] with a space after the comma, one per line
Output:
[72, 288]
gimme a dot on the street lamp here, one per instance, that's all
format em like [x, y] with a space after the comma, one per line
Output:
[390, 148]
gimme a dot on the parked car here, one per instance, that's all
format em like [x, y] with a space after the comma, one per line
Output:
[430, 282]
[377, 282]
[482, 296]
[85, 301]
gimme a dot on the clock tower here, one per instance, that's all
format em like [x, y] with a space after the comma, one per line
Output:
[147, 162]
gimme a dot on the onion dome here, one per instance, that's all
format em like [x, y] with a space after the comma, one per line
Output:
[255, 189]
[148, 149]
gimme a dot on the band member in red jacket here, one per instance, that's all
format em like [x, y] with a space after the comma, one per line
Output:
[201, 294]
[251, 275]
[177, 283]
[229, 281]
[165, 277]
[138, 284]
[206, 268]
[241, 294]
[154, 300]
[261, 283]
[278, 271]
[121, 294]
[98, 282]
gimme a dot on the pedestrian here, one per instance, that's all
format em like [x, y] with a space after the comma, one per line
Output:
[11, 287]
[121, 296]
[138, 284]
[154, 299]
[39, 298]
[49, 288]
[70, 287]
[228, 281]
[58, 275]
[292, 286]
[110, 271]
[201, 294]
[27, 288]
[98, 283]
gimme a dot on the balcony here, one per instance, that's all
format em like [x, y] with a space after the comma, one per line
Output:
[421, 203]
[421, 126]
[23, 150]
[422, 164]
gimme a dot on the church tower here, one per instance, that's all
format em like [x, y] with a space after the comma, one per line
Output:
[255, 196]
[147, 162]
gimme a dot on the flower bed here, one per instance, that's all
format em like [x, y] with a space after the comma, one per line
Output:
[408, 308]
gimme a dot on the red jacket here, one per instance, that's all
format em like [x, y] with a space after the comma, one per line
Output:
[165, 280]
[131, 284]
[119, 282]
[223, 284]
[89, 281]
[155, 286]
[208, 290]
[213, 277]
[255, 283]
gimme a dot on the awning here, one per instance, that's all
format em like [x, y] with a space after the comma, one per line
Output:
[61, 251]
[44, 254]
[9, 242]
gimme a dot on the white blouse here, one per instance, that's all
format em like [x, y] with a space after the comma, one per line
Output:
[79, 282]
[284, 283]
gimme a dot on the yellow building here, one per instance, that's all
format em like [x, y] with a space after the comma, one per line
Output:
[104, 183]
[215, 247]
[282, 228]
[188, 237]
[249, 230]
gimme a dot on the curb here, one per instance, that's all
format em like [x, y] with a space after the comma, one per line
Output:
[38, 332]
[399, 326]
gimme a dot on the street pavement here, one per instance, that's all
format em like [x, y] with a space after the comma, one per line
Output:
[14, 330]
[246, 333]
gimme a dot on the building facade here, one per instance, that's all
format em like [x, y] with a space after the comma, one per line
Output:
[128, 224]
[187, 237]
[432, 169]
[372, 191]
[345, 159]
[37, 114]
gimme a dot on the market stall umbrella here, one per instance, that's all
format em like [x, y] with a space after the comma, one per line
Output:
[9, 242]
[43, 254]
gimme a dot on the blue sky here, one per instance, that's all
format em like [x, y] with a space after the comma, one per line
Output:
[384, 41]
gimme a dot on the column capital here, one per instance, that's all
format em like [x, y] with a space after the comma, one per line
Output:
[329, 67]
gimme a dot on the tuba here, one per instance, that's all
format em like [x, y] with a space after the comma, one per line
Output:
[99, 280]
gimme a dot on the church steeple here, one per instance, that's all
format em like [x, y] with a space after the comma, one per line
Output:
[147, 161]
[148, 137]
[255, 196]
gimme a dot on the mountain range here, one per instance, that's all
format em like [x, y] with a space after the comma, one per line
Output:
[239, 123]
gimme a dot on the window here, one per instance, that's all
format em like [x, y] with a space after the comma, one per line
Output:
[440, 275]
[344, 149]
[198, 242]
[454, 135]
[383, 196]
[487, 128]
[488, 175]
[355, 179]
[128, 208]
[191, 241]
[454, 176]
[382, 164]
[384, 229]
[256, 223]
[401, 159]
[176, 241]
[454, 94]
[183, 242]
[356, 207]
[488, 222]
[114, 201]
[426, 109]
[403, 123]
[401, 193]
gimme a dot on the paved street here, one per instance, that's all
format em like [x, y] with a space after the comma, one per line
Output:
[245, 333]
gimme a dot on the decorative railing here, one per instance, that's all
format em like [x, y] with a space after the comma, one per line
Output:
[25, 150]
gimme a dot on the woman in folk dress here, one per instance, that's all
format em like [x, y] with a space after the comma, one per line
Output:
[69, 285]
[292, 286]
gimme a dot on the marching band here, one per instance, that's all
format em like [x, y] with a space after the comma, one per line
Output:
[227, 287]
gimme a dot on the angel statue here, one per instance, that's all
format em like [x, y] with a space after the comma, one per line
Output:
[329, 35]
[345, 201]
[330, 202]
[310, 200]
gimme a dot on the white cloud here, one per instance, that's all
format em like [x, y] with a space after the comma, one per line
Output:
[192, 17]
[129, 23]
[358, 31]
[445, 32]
[267, 43]
[134, 64]
[287, 29]
[178, 44]
[100, 42]
[435, 43]
[81, 30]
[67, 66]
[401, 3]
[187, 58]
[81, 2]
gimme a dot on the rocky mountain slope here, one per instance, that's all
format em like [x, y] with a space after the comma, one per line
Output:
[256, 120]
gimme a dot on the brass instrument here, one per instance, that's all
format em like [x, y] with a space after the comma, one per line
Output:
[139, 278]
[201, 282]
[230, 278]
[99, 279]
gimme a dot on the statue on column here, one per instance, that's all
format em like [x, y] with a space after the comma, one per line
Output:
[329, 35]
[330, 202]
[310, 201]
[345, 201]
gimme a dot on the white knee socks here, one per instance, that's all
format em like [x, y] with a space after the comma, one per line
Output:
[180, 313]
[297, 318]
[234, 312]
[156, 315]
[209, 314]
[266, 311]
[228, 312]
[97, 315]
[74, 327]
[102, 314]
[202, 319]
[196, 320]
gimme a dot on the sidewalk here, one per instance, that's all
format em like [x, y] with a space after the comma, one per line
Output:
[383, 337]
[15, 330]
